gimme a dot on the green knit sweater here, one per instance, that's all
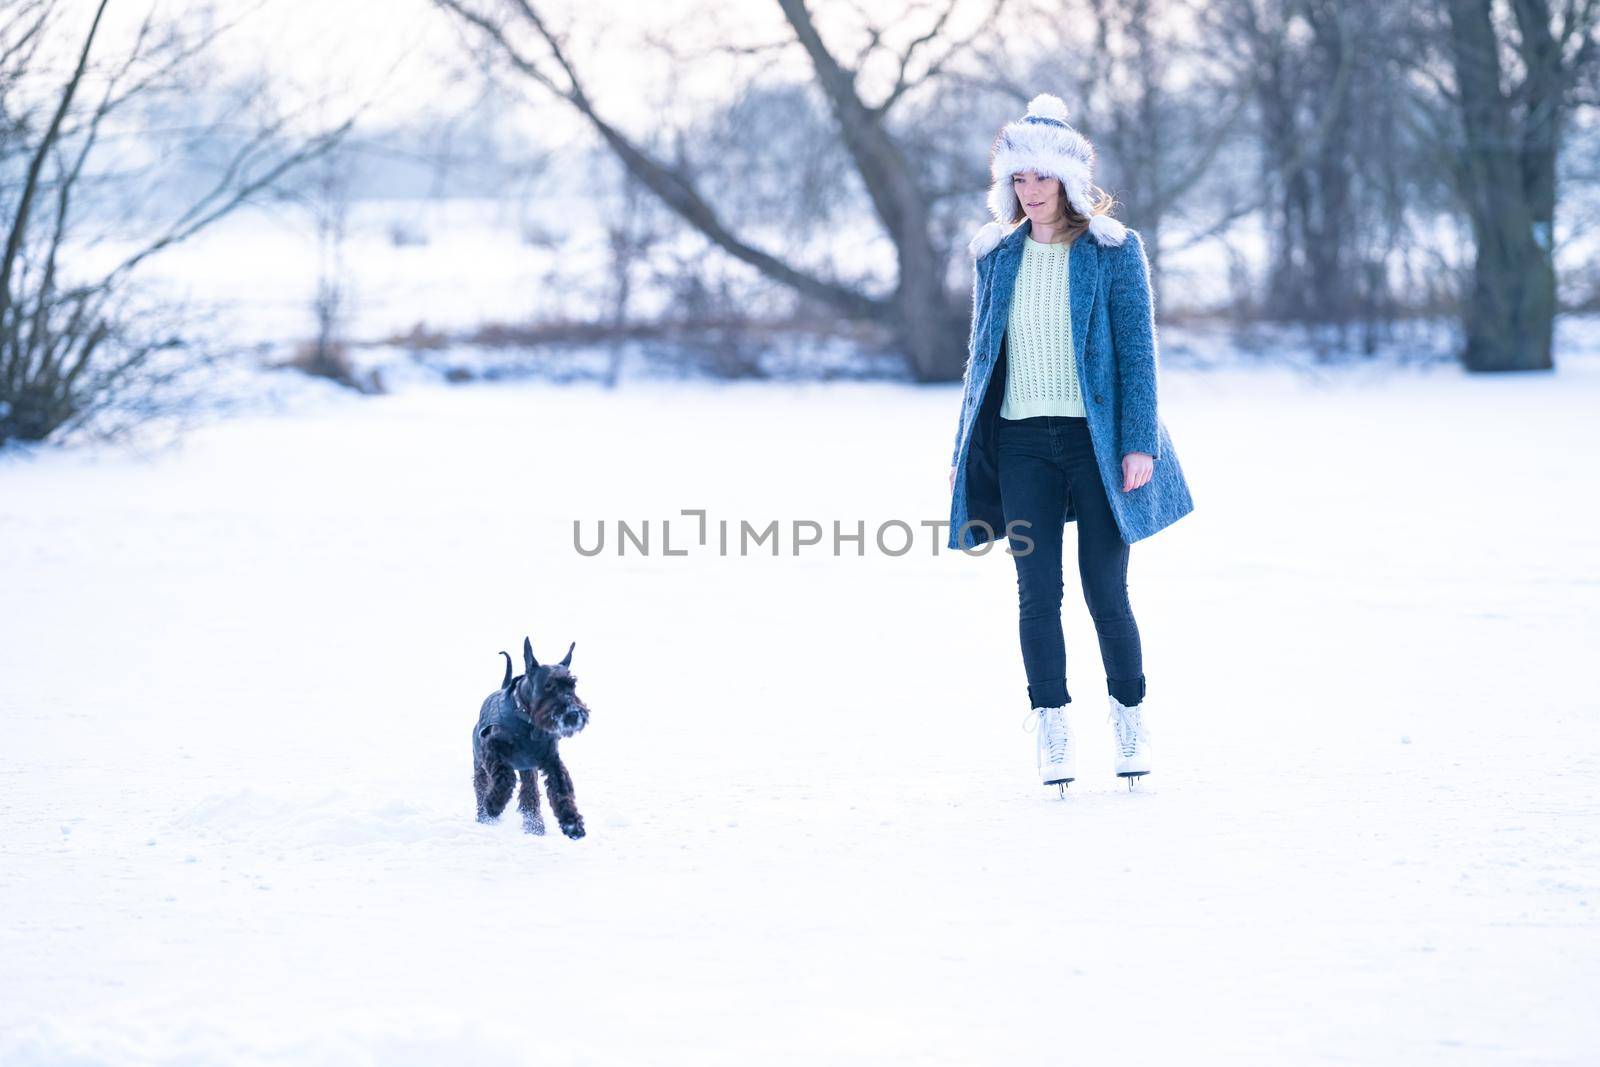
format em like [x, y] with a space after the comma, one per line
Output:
[1041, 373]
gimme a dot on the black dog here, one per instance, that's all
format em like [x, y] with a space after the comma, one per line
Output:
[517, 730]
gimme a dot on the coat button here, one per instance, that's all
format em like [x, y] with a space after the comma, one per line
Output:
[1098, 399]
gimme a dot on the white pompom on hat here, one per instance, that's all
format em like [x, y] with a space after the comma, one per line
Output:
[1043, 142]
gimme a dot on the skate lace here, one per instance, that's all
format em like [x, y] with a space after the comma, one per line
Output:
[1129, 724]
[1052, 727]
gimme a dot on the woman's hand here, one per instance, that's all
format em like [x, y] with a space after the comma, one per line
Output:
[1137, 467]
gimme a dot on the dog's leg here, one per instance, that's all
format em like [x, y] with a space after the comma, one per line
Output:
[528, 803]
[502, 780]
[480, 786]
[562, 800]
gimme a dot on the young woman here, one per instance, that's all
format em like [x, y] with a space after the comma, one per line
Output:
[1059, 422]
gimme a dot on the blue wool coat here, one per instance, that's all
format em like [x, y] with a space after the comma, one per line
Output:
[1114, 342]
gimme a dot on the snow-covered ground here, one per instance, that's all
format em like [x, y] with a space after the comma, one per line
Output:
[236, 816]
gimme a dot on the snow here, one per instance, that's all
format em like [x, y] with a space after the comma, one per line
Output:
[465, 265]
[236, 823]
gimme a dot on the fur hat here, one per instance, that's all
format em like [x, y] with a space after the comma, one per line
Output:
[1041, 141]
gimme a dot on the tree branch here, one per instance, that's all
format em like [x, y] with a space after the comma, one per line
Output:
[19, 225]
[671, 185]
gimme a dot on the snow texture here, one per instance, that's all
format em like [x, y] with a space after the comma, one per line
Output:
[236, 824]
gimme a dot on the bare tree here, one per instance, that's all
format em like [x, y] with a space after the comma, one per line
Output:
[925, 315]
[1325, 85]
[325, 194]
[629, 238]
[1511, 96]
[1163, 139]
[72, 346]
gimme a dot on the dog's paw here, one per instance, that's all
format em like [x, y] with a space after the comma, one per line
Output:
[573, 830]
[533, 826]
[486, 818]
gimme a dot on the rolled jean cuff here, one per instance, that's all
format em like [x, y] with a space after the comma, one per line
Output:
[1128, 691]
[1049, 695]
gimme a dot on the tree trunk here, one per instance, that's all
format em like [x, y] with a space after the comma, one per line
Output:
[1510, 318]
[933, 332]
[1507, 179]
[923, 318]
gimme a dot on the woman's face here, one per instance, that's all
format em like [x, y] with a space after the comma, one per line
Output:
[1040, 196]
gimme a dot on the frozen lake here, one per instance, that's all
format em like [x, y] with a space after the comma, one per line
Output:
[236, 823]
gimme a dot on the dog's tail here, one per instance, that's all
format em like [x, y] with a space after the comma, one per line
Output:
[506, 683]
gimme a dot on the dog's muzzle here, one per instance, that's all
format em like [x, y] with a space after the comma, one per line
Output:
[571, 720]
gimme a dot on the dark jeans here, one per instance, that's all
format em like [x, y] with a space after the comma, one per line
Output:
[1041, 461]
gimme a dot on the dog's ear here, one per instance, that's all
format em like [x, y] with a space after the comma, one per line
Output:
[527, 655]
[506, 682]
[566, 661]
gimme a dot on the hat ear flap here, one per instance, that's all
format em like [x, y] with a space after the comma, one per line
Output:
[1003, 203]
[984, 241]
[1107, 230]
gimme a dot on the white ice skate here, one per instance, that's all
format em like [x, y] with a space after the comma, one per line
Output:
[1058, 749]
[1133, 740]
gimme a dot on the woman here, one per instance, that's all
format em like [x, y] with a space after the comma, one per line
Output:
[1059, 422]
